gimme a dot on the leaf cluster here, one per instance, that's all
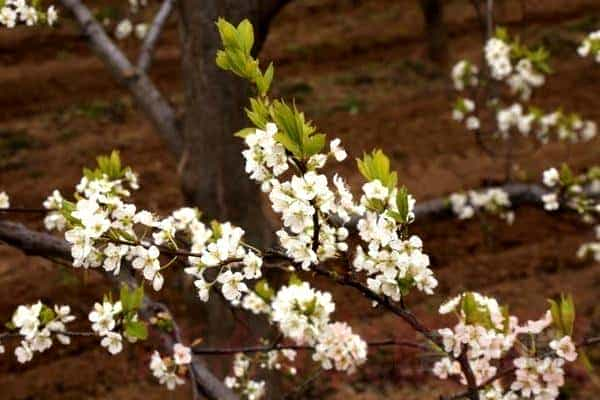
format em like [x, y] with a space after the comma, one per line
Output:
[376, 166]
[131, 300]
[539, 56]
[109, 166]
[563, 314]
[236, 54]
[478, 314]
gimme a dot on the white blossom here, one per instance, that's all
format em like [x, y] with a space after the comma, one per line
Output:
[4, 200]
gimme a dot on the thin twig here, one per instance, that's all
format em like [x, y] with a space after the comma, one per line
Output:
[272, 347]
[146, 94]
[153, 34]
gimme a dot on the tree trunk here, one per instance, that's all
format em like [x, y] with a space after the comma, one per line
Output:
[437, 36]
[212, 166]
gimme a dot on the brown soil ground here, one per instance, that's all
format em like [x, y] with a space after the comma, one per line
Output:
[359, 69]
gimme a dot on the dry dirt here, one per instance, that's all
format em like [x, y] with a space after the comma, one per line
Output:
[359, 70]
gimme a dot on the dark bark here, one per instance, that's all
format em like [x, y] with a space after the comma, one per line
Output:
[437, 35]
[212, 166]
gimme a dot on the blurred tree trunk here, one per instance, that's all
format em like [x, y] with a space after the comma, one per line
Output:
[437, 35]
[212, 166]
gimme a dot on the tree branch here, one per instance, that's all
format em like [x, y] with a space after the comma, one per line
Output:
[147, 50]
[277, 346]
[45, 245]
[143, 90]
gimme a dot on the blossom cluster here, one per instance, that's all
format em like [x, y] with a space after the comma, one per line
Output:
[394, 263]
[38, 324]
[105, 231]
[303, 199]
[464, 109]
[126, 27]
[169, 370]
[566, 127]
[515, 64]
[4, 200]
[579, 193]
[222, 251]
[497, 55]
[338, 347]
[487, 333]
[494, 201]
[301, 312]
[15, 12]
[241, 382]
[590, 46]
[106, 322]
[100, 225]
[591, 249]
[522, 70]
[464, 74]
[303, 315]
[481, 332]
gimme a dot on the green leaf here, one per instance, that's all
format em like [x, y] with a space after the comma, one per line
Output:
[227, 32]
[502, 34]
[165, 325]
[475, 313]
[296, 134]
[469, 307]
[46, 314]
[263, 82]
[125, 298]
[567, 310]
[131, 300]
[314, 144]
[555, 312]
[506, 315]
[136, 329]
[563, 314]
[566, 175]
[376, 166]
[289, 144]
[123, 235]
[244, 133]
[403, 204]
[585, 361]
[264, 291]
[294, 280]
[310, 307]
[405, 284]
[258, 113]
[222, 60]
[215, 227]
[246, 35]
[137, 298]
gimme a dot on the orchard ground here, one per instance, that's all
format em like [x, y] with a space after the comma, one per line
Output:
[359, 69]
